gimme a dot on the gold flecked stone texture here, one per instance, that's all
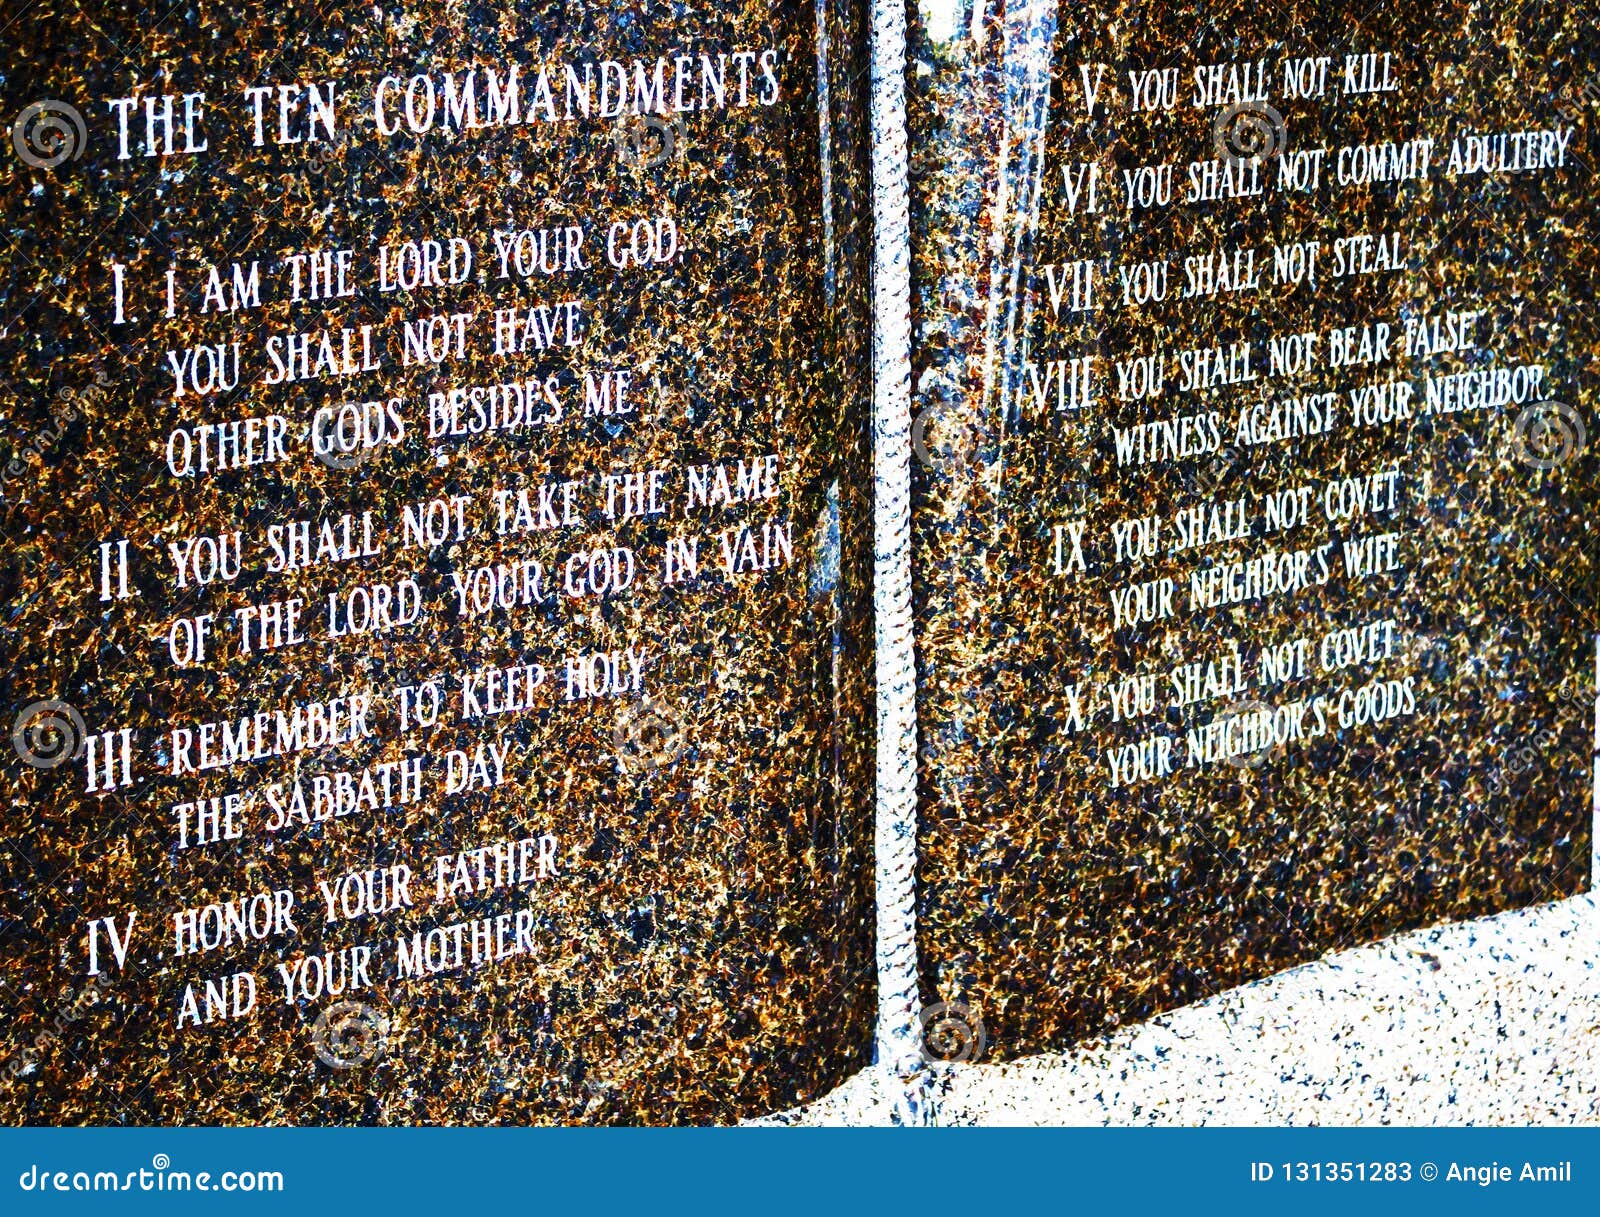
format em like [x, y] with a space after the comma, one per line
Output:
[1054, 903]
[704, 951]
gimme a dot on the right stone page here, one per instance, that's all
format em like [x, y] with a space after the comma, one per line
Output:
[1254, 548]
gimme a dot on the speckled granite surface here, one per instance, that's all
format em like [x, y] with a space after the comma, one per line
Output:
[1058, 899]
[703, 949]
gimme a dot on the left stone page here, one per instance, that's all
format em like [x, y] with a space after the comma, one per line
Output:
[436, 563]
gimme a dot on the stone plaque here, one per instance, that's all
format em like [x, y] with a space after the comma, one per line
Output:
[1254, 525]
[435, 562]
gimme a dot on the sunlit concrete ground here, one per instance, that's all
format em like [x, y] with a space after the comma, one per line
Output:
[1495, 1021]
